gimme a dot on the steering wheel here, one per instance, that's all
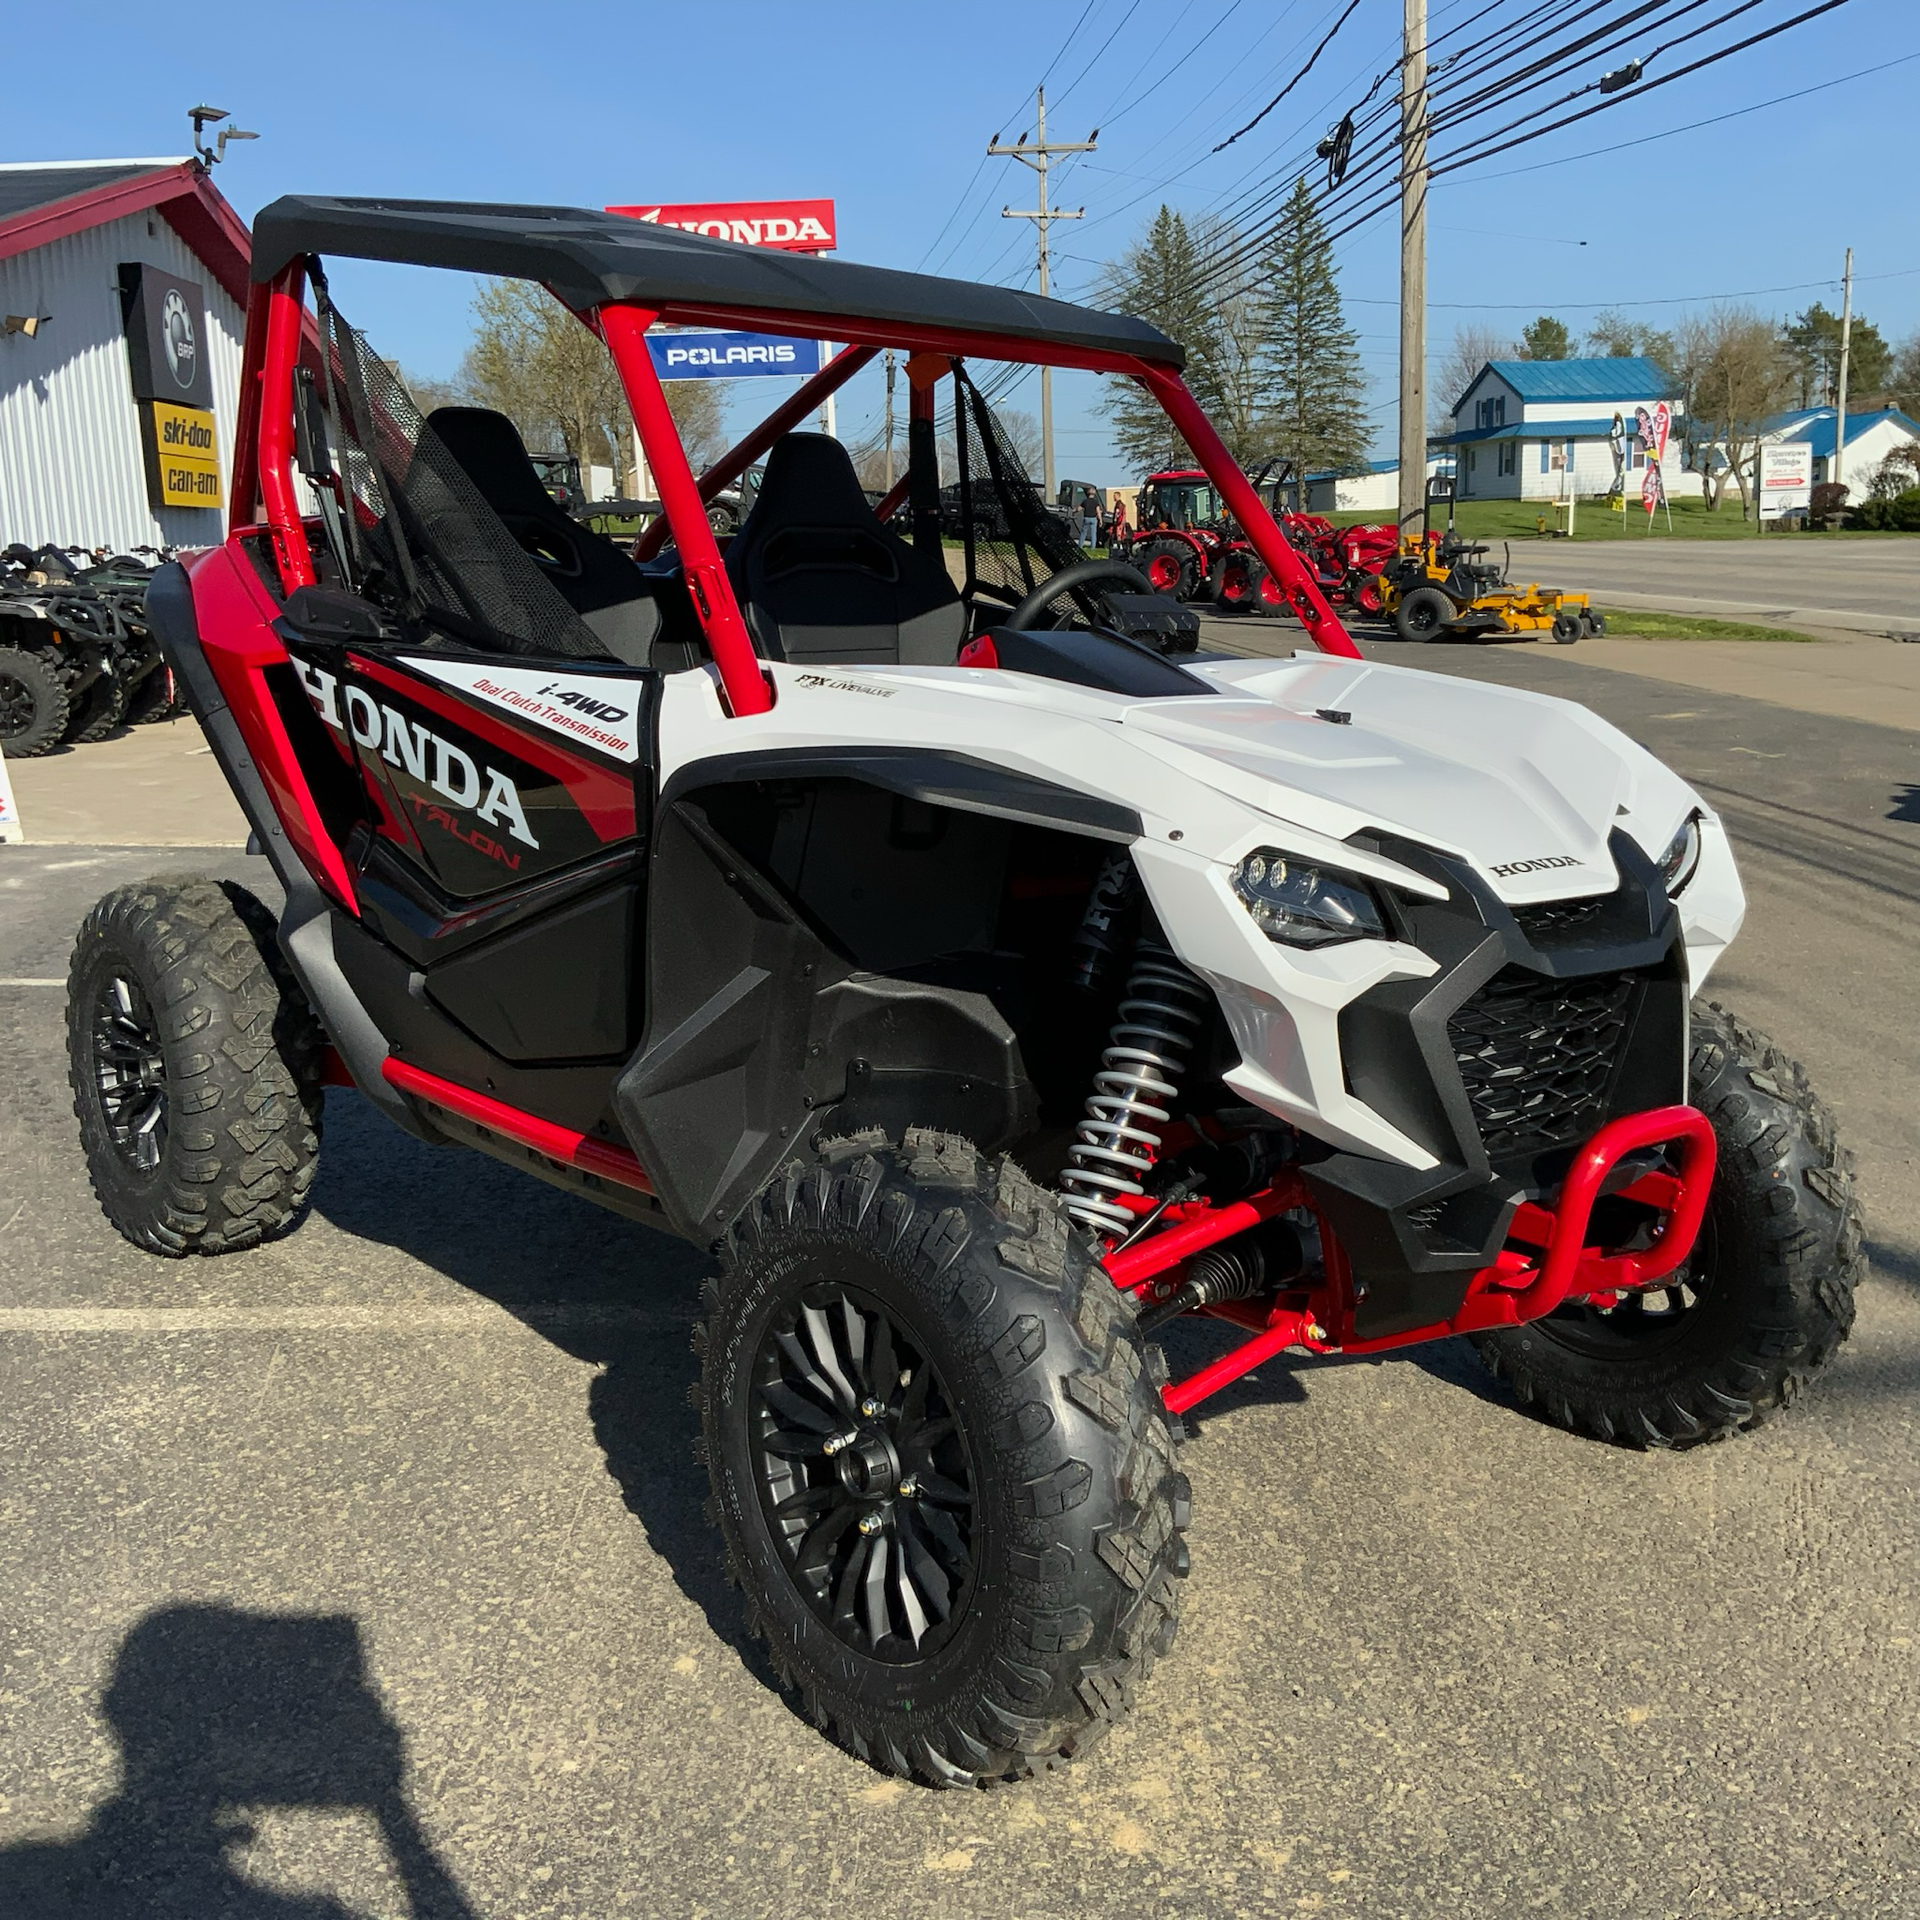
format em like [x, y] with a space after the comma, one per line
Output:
[1076, 580]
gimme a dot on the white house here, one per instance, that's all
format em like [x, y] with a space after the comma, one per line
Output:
[1541, 429]
[1870, 438]
[123, 287]
[1374, 489]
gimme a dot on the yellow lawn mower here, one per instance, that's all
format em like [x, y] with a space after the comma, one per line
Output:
[1445, 590]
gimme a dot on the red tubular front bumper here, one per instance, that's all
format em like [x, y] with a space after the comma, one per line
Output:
[1547, 1260]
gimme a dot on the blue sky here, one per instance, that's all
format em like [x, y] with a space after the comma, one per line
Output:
[888, 108]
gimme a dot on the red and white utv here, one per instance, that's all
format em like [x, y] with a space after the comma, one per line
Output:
[986, 989]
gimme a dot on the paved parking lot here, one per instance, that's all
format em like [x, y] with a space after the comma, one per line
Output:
[1871, 584]
[365, 1573]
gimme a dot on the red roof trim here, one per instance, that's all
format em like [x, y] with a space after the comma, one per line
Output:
[186, 198]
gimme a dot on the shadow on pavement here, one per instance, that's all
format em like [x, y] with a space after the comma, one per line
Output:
[580, 1277]
[215, 1711]
[1906, 805]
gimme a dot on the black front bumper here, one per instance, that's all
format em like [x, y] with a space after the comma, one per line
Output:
[1542, 1024]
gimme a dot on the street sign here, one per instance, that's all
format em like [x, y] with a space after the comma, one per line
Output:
[733, 356]
[791, 226]
[1786, 478]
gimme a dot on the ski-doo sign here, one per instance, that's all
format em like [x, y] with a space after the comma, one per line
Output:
[793, 226]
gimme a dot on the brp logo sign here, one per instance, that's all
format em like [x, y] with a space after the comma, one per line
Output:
[176, 330]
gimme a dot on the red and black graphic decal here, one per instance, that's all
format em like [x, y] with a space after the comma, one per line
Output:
[477, 802]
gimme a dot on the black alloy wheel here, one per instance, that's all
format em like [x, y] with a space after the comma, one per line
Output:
[866, 1473]
[130, 1072]
[1424, 614]
[941, 1466]
[33, 704]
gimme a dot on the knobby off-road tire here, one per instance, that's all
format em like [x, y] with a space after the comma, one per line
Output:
[33, 705]
[1171, 566]
[195, 1066]
[1011, 1387]
[1763, 1303]
[1424, 614]
[98, 711]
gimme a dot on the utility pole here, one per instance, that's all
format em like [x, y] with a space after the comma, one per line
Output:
[889, 420]
[1036, 155]
[1413, 268]
[1840, 389]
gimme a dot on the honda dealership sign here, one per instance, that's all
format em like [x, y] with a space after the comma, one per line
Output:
[793, 226]
[732, 356]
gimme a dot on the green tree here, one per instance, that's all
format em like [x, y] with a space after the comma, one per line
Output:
[1314, 390]
[1614, 335]
[1546, 339]
[1903, 377]
[532, 360]
[1158, 280]
[1813, 345]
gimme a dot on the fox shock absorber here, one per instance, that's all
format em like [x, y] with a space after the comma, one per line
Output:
[1115, 1145]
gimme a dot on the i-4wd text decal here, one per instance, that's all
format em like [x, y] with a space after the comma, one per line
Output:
[427, 756]
[592, 711]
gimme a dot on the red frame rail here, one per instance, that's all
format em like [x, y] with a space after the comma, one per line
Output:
[263, 469]
[1551, 1265]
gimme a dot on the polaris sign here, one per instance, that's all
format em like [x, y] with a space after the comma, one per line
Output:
[732, 356]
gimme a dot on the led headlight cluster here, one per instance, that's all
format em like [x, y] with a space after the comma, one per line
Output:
[1682, 857]
[1302, 906]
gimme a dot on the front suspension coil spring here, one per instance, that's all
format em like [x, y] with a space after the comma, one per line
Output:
[1115, 1146]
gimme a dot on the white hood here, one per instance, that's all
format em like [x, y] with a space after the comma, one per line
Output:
[1525, 787]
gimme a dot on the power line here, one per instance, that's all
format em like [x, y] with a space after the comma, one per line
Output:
[1312, 58]
[1694, 126]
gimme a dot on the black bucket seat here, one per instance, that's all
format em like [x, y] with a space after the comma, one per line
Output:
[822, 582]
[599, 582]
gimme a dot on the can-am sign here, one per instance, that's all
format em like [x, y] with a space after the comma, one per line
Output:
[793, 226]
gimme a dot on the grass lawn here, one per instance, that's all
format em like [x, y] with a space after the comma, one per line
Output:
[1496, 520]
[1639, 625]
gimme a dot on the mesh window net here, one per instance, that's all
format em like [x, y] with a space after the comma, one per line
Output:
[408, 526]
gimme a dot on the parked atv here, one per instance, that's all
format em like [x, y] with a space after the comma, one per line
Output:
[64, 654]
[985, 989]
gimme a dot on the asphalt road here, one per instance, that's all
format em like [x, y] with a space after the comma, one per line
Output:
[1870, 584]
[365, 1573]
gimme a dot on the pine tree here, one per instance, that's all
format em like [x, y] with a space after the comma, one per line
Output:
[1315, 389]
[1158, 280]
[1546, 339]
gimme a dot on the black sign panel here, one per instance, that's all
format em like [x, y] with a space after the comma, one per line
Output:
[166, 322]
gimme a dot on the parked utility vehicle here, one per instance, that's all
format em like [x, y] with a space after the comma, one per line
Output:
[985, 988]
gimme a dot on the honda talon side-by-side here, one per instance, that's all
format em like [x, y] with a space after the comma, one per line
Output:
[987, 977]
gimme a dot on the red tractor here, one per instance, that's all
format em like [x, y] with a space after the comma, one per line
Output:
[1179, 530]
[1343, 560]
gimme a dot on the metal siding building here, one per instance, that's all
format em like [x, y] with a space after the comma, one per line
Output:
[72, 463]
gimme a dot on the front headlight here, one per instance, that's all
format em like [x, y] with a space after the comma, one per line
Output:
[1682, 857]
[1300, 906]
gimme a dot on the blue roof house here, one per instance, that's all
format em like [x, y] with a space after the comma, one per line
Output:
[1542, 429]
[1870, 438]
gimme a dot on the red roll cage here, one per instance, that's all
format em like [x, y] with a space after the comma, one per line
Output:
[278, 324]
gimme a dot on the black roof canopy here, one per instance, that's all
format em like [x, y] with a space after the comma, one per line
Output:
[588, 258]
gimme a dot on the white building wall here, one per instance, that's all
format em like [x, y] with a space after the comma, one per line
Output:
[71, 466]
